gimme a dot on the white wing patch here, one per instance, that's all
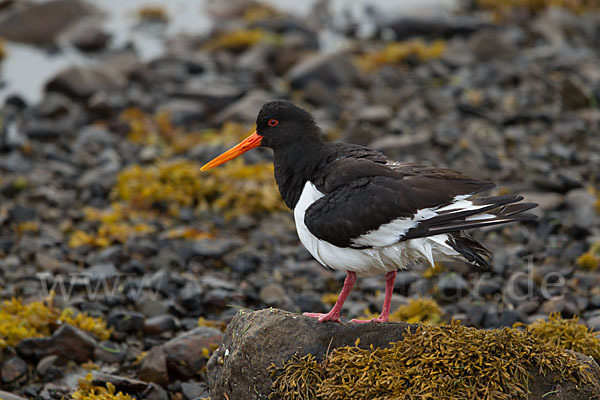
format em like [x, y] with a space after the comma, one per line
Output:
[391, 232]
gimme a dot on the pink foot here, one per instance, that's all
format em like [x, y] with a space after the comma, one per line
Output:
[363, 321]
[323, 317]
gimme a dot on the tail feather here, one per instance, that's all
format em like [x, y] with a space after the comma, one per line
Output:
[470, 249]
[473, 213]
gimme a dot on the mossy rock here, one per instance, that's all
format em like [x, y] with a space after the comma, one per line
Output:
[255, 341]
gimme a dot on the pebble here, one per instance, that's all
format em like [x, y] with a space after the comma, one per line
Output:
[154, 367]
[334, 70]
[49, 368]
[594, 323]
[452, 287]
[13, 371]
[126, 322]
[193, 390]
[159, 324]
[186, 353]
[274, 295]
[215, 248]
[110, 352]
[67, 342]
[83, 82]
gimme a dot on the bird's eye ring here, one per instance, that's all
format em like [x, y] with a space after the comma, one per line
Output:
[273, 122]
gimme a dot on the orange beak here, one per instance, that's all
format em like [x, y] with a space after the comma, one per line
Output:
[249, 143]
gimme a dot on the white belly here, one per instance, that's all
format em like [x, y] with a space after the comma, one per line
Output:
[371, 261]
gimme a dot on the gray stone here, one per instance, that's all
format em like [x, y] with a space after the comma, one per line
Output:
[9, 396]
[93, 138]
[489, 45]
[334, 70]
[594, 323]
[154, 367]
[193, 390]
[547, 201]
[13, 370]
[150, 306]
[139, 389]
[125, 61]
[49, 368]
[12, 134]
[214, 95]
[19, 214]
[87, 36]
[186, 353]
[54, 105]
[159, 324]
[83, 82]
[44, 130]
[452, 286]
[41, 23]
[125, 321]
[67, 342]
[183, 111]
[574, 94]
[245, 109]
[376, 114]
[110, 352]
[215, 248]
[274, 295]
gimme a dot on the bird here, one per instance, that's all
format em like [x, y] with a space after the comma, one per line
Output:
[360, 212]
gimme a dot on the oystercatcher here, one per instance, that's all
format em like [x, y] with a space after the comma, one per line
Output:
[360, 212]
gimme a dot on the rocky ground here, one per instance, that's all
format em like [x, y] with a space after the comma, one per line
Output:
[103, 205]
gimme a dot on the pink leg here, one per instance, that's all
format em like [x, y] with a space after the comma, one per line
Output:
[390, 279]
[334, 314]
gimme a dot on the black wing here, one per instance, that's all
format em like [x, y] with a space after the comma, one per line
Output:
[363, 197]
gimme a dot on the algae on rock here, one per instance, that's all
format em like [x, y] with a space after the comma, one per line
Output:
[441, 362]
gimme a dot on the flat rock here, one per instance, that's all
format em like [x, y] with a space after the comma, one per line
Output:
[41, 23]
[9, 396]
[244, 109]
[140, 389]
[334, 70]
[82, 82]
[215, 248]
[186, 353]
[255, 340]
[214, 95]
[67, 342]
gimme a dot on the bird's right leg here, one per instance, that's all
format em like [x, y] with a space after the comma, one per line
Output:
[334, 314]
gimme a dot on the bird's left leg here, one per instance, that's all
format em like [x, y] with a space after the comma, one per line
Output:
[390, 279]
[334, 314]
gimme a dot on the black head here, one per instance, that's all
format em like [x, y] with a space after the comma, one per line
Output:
[281, 123]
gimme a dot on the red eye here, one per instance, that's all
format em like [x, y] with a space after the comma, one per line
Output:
[273, 122]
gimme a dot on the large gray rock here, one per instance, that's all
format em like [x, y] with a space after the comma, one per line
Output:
[41, 24]
[255, 340]
[238, 369]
